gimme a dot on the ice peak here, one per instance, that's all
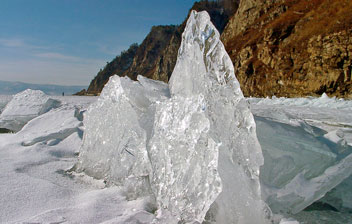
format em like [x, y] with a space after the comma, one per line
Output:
[199, 29]
[194, 147]
[201, 56]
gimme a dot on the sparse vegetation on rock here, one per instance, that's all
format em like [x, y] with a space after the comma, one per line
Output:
[284, 48]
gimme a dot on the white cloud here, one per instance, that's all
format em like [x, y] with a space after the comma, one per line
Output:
[67, 58]
[21, 61]
[20, 47]
[53, 55]
[18, 43]
[48, 71]
[12, 43]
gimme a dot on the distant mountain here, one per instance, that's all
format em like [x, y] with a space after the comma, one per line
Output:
[9, 88]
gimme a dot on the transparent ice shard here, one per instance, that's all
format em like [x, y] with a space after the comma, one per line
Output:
[184, 161]
[340, 197]
[301, 164]
[204, 68]
[114, 142]
[192, 145]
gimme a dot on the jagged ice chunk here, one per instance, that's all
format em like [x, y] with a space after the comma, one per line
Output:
[25, 106]
[204, 68]
[195, 151]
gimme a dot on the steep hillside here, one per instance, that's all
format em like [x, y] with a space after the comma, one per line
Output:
[149, 55]
[118, 66]
[156, 57]
[292, 47]
[278, 47]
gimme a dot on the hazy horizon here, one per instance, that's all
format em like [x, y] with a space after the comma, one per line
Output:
[11, 88]
[47, 84]
[67, 42]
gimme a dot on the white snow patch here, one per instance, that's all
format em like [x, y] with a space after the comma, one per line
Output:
[288, 221]
[4, 99]
[25, 106]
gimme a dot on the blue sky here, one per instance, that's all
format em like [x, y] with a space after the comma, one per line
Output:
[66, 42]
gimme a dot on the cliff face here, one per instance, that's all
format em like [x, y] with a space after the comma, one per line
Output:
[145, 59]
[150, 54]
[278, 47]
[292, 47]
[156, 57]
[118, 66]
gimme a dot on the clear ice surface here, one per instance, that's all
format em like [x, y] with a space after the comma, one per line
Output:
[204, 68]
[115, 136]
[184, 160]
[307, 150]
[192, 144]
[340, 197]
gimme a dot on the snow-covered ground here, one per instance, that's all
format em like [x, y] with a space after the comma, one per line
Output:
[36, 187]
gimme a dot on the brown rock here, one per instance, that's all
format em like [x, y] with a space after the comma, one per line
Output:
[278, 47]
[291, 48]
[156, 57]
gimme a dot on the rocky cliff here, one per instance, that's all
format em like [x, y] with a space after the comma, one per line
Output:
[278, 47]
[118, 66]
[292, 48]
[149, 55]
[156, 57]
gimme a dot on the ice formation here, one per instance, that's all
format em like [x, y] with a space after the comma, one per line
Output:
[116, 131]
[340, 197]
[307, 149]
[52, 127]
[25, 106]
[4, 99]
[300, 167]
[192, 144]
[204, 68]
[184, 159]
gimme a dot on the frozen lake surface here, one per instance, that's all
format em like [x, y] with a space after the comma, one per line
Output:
[35, 186]
[189, 151]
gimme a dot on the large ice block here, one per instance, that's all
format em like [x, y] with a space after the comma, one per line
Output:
[184, 160]
[302, 161]
[195, 151]
[204, 68]
[25, 106]
[114, 142]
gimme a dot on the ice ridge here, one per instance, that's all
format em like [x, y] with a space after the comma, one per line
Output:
[192, 145]
[25, 106]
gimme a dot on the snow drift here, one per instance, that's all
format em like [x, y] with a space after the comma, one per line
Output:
[192, 144]
[25, 106]
[52, 127]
